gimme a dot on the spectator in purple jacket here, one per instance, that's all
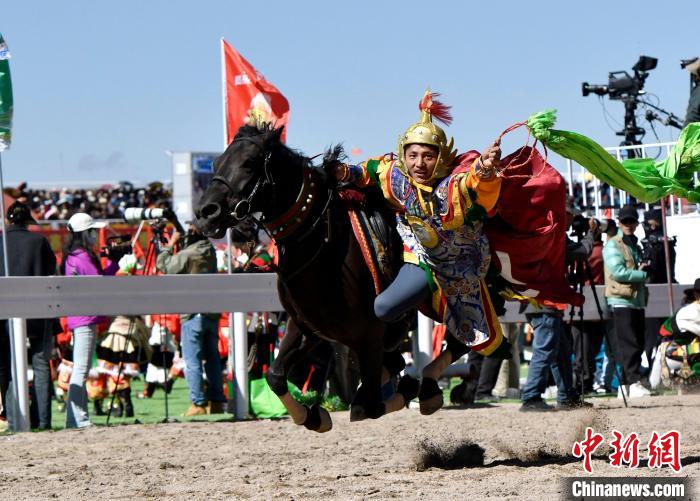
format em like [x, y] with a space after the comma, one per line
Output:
[79, 259]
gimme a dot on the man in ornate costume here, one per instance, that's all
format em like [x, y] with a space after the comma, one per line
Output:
[440, 200]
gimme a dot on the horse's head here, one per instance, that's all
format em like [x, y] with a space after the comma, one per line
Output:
[241, 183]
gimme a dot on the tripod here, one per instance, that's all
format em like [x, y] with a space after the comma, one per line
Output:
[579, 279]
[149, 266]
[156, 240]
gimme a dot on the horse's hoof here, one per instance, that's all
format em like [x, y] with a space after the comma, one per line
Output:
[430, 396]
[431, 405]
[318, 419]
[357, 413]
[408, 388]
[326, 421]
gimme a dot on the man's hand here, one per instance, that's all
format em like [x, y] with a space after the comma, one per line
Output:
[643, 265]
[174, 238]
[491, 158]
[340, 171]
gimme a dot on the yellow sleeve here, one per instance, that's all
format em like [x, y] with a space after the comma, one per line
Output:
[487, 190]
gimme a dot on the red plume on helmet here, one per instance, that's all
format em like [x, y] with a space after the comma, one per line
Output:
[438, 110]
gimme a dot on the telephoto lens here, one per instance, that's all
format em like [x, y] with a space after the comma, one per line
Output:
[134, 215]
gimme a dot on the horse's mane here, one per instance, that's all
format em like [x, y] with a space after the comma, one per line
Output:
[269, 133]
[332, 155]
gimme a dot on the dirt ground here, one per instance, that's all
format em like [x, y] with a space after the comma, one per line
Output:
[492, 451]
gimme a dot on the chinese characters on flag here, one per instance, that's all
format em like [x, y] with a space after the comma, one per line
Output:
[662, 450]
[247, 90]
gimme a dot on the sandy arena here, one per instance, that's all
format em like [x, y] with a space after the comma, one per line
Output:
[401, 456]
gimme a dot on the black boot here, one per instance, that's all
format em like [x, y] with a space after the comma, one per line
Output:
[118, 410]
[125, 397]
[98, 409]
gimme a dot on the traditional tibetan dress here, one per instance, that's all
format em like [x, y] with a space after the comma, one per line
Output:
[441, 229]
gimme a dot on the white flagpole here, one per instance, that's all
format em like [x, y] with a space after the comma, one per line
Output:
[18, 340]
[224, 101]
[237, 330]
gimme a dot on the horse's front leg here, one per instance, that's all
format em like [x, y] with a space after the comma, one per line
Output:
[293, 348]
[430, 394]
[368, 400]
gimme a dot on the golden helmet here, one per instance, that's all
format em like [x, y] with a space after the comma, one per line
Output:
[426, 132]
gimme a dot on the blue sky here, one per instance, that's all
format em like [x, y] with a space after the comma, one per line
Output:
[103, 89]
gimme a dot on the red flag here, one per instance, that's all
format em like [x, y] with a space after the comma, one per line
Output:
[246, 90]
[528, 238]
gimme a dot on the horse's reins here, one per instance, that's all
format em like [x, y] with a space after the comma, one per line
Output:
[244, 206]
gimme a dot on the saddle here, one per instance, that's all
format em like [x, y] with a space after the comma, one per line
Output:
[376, 235]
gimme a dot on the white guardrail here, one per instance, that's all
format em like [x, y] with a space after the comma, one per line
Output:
[22, 298]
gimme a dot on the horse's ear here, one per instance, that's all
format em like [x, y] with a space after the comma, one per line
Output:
[277, 134]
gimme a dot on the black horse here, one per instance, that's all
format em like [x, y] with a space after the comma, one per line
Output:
[323, 281]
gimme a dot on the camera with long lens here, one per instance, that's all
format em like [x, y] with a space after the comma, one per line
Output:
[157, 217]
[134, 215]
[117, 247]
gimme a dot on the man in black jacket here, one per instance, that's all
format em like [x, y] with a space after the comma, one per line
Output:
[551, 343]
[693, 112]
[29, 254]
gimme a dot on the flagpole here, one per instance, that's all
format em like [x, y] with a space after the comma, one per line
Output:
[237, 331]
[19, 412]
[224, 101]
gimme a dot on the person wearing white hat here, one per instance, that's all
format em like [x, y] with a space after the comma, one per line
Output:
[80, 259]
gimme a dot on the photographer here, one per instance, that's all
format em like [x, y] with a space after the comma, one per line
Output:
[654, 254]
[693, 113]
[588, 335]
[80, 259]
[199, 340]
[653, 249]
[551, 344]
[626, 295]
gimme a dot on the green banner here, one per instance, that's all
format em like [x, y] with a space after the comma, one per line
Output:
[642, 178]
[5, 96]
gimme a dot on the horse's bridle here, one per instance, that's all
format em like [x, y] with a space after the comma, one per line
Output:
[243, 207]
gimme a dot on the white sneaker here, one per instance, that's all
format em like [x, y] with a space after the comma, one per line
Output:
[636, 390]
[550, 392]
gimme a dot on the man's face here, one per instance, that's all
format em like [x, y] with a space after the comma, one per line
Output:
[628, 226]
[420, 161]
[653, 224]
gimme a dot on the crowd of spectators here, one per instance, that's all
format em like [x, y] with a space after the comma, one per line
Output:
[109, 201]
[104, 202]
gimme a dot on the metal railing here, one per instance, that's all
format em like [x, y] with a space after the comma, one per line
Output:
[22, 298]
